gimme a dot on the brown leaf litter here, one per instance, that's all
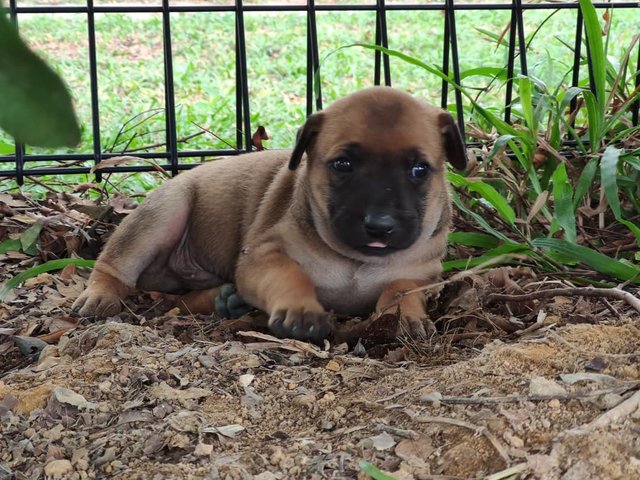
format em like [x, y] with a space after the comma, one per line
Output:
[542, 388]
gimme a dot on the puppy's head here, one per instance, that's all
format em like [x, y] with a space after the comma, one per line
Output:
[376, 166]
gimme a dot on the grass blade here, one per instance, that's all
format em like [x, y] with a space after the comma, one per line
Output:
[479, 219]
[563, 202]
[473, 239]
[488, 193]
[585, 181]
[597, 53]
[596, 260]
[526, 102]
[594, 118]
[609, 175]
[374, 472]
[509, 251]
[45, 267]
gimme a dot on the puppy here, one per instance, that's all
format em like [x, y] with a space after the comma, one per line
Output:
[355, 214]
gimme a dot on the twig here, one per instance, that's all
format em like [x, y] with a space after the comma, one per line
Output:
[156, 145]
[400, 432]
[534, 398]
[509, 472]
[614, 293]
[615, 415]
[216, 136]
[461, 423]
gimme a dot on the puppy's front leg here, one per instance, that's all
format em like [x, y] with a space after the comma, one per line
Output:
[413, 309]
[273, 282]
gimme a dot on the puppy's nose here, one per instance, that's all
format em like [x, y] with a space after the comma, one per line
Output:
[379, 225]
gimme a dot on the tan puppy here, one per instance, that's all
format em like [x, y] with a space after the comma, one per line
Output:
[356, 213]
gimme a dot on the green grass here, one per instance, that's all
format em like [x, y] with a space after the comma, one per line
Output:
[130, 71]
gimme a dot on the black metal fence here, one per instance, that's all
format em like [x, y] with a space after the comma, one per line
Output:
[173, 158]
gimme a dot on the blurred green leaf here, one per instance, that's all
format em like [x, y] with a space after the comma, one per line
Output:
[10, 245]
[36, 105]
[29, 239]
[7, 148]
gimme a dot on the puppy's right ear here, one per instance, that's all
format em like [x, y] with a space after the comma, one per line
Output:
[305, 139]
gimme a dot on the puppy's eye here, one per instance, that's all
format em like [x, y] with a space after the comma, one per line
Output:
[342, 165]
[420, 170]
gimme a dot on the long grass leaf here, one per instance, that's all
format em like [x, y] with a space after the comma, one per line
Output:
[563, 202]
[473, 239]
[479, 219]
[595, 120]
[501, 126]
[499, 73]
[585, 181]
[488, 193]
[509, 251]
[45, 267]
[596, 260]
[597, 53]
[609, 175]
[526, 102]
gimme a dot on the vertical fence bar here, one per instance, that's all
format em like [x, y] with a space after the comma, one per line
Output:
[93, 78]
[446, 48]
[575, 77]
[382, 39]
[511, 63]
[636, 105]
[13, 14]
[169, 94]
[522, 41]
[456, 64]
[242, 94]
[313, 59]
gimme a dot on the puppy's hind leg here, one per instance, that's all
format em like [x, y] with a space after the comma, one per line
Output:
[145, 239]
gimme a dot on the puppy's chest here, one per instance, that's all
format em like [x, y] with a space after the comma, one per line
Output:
[344, 286]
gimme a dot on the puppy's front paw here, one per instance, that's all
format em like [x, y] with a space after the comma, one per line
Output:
[97, 302]
[301, 323]
[414, 326]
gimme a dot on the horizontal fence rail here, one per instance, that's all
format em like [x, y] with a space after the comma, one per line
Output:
[16, 165]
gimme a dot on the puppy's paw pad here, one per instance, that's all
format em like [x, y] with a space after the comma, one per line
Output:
[228, 304]
[301, 325]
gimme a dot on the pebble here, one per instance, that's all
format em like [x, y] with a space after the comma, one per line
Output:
[58, 468]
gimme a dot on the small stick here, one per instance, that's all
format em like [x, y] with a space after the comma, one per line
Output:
[534, 398]
[461, 423]
[615, 415]
[614, 293]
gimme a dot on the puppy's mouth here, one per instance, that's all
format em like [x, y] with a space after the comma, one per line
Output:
[377, 248]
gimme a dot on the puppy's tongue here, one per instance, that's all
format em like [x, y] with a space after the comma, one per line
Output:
[377, 245]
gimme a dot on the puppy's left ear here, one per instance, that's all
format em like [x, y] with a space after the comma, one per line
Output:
[305, 138]
[452, 141]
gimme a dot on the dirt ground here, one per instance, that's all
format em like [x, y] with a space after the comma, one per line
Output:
[545, 390]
